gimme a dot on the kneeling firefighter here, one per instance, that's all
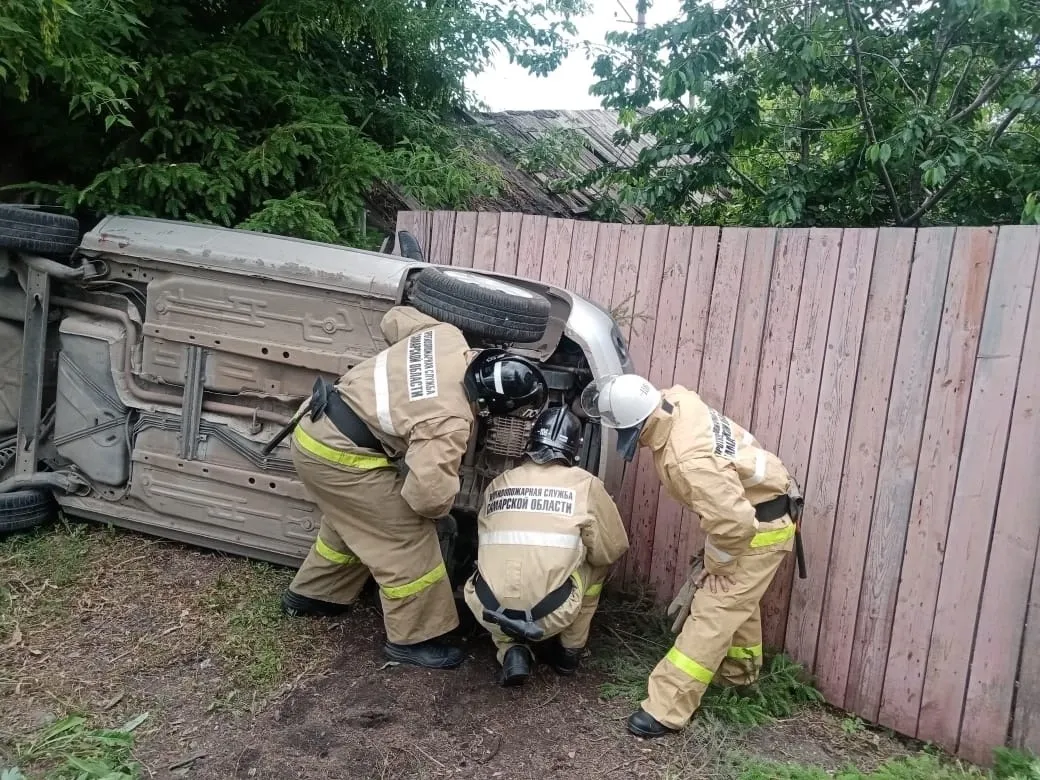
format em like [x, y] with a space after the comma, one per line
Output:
[548, 534]
[380, 453]
[749, 506]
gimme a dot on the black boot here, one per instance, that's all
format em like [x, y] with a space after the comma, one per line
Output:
[295, 605]
[643, 724]
[433, 654]
[565, 660]
[516, 666]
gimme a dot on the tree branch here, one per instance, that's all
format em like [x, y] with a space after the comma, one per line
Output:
[991, 86]
[868, 124]
[743, 176]
[960, 83]
[941, 193]
[933, 82]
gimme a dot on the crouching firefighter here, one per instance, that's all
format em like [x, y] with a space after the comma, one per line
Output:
[748, 505]
[380, 452]
[548, 534]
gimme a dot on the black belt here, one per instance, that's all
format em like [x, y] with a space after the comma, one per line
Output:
[774, 509]
[325, 399]
[517, 623]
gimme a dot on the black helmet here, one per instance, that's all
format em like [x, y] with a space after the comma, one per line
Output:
[556, 435]
[500, 383]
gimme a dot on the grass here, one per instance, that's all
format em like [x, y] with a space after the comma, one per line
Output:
[1008, 765]
[638, 635]
[73, 749]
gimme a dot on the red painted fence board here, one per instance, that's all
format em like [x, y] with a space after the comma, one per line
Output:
[860, 368]
[863, 456]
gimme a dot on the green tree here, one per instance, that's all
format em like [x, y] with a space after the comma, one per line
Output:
[832, 112]
[278, 115]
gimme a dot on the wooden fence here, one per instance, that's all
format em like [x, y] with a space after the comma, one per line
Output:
[896, 373]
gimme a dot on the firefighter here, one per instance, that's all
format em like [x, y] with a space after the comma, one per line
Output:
[548, 533]
[745, 499]
[380, 453]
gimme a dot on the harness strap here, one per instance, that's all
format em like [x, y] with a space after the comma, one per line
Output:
[773, 509]
[325, 399]
[546, 606]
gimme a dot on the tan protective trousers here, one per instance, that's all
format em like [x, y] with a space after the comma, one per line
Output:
[722, 635]
[367, 528]
[570, 621]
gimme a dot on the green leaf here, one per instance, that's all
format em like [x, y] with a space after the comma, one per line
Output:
[134, 722]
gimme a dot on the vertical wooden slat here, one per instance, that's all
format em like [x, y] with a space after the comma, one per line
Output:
[803, 389]
[508, 243]
[463, 247]
[442, 236]
[532, 245]
[896, 475]
[557, 252]
[771, 391]
[406, 220]
[662, 371]
[583, 258]
[486, 246]
[608, 241]
[423, 230]
[921, 552]
[998, 638]
[1015, 542]
[830, 434]
[750, 325]
[990, 380]
[646, 486]
[841, 591]
[623, 305]
[700, 280]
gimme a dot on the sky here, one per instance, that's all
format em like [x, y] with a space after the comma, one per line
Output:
[505, 87]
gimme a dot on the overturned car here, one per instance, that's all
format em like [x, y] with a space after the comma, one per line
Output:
[146, 365]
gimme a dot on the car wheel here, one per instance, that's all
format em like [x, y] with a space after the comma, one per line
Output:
[38, 232]
[481, 305]
[21, 510]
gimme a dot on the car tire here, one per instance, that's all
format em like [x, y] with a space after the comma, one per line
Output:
[21, 510]
[482, 306]
[38, 232]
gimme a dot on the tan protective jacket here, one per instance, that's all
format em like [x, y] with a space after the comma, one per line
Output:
[716, 468]
[411, 396]
[538, 524]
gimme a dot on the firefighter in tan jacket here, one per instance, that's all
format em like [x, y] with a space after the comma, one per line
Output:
[744, 497]
[380, 453]
[548, 534]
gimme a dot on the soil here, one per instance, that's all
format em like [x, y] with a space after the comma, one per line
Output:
[161, 628]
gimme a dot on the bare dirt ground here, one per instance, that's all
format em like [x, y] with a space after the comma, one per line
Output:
[115, 626]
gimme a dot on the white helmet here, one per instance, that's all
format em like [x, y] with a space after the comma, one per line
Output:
[624, 402]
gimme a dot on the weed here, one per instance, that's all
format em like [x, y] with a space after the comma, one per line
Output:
[255, 640]
[638, 637]
[852, 725]
[71, 749]
[1009, 764]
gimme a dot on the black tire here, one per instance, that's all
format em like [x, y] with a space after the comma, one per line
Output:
[39, 232]
[21, 510]
[493, 314]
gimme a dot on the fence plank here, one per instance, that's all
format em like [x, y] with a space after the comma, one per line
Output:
[781, 317]
[1026, 729]
[532, 245]
[642, 506]
[937, 470]
[899, 451]
[803, 389]
[486, 246]
[464, 245]
[700, 280]
[608, 241]
[410, 221]
[750, 325]
[583, 258]
[442, 235]
[895, 248]
[557, 252]
[990, 381]
[830, 434]
[663, 360]
[508, 246]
